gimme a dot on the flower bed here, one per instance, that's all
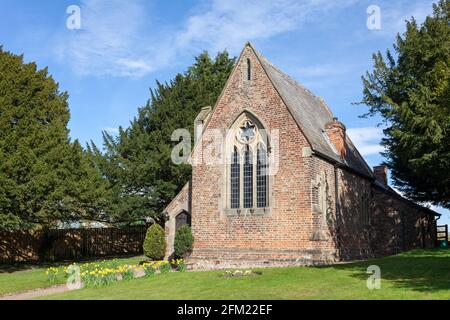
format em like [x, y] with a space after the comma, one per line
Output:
[99, 274]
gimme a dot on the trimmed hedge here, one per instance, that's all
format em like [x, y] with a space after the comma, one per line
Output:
[155, 242]
[184, 241]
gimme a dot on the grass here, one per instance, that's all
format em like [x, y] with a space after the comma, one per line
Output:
[420, 274]
[18, 278]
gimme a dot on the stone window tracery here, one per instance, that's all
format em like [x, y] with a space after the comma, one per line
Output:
[248, 170]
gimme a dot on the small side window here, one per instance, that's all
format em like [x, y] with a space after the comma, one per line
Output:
[249, 70]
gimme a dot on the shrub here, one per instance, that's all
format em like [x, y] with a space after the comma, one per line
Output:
[184, 241]
[155, 242]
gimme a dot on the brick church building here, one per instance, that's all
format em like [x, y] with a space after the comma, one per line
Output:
[291, 188]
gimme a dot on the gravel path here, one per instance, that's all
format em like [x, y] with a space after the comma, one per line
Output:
[36, 293]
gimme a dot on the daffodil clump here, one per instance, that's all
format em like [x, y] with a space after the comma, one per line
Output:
[240, 273]
[149, 268]
[179, 264]
[98, 277]
[52, 274]
[128, 271]
[164, 267]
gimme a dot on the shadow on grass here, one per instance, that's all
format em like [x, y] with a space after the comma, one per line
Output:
[419, 270]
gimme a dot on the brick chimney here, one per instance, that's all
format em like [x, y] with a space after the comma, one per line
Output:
[380, 173]
[337, 134]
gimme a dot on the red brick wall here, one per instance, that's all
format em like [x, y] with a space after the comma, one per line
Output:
[395, 225]
[352, 235]
[398, 226]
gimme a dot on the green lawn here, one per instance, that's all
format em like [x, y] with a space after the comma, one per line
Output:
[19, 278]
[413, 275]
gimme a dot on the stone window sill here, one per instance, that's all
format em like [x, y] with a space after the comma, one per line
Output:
[247, 212]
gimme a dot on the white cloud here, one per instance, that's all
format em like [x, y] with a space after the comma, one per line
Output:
[113, 40]
[117, 38]
[367, 140]
[229, 23]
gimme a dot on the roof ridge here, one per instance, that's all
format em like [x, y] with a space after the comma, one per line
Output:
[292, 80]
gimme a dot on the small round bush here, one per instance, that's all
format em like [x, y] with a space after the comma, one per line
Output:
[184, 241]
[155, 242]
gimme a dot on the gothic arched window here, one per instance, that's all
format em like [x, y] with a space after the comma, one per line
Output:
[248, 170]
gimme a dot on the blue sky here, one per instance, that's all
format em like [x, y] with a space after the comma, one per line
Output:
[123, 46]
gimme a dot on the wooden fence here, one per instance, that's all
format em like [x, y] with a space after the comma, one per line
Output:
[70, 244]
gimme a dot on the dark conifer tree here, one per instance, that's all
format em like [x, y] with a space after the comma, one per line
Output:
[44, 177]
[411, 91]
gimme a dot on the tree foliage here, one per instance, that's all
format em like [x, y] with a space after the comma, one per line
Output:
[44, 177]
[410, 90]
[137, 162]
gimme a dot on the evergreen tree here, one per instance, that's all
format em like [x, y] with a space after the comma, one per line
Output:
[44, 178]
[137, 162]
[410, 90]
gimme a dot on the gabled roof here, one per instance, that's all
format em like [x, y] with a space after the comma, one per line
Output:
[311, 114]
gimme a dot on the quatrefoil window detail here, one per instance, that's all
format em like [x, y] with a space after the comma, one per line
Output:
[247, 132]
